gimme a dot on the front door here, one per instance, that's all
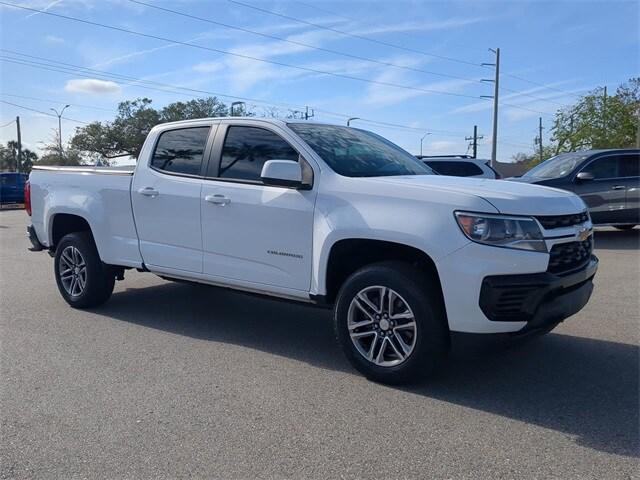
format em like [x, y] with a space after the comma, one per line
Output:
[253, 233]
[605, 195]
[166, 201]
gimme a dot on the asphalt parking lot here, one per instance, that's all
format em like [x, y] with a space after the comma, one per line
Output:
[169, 380]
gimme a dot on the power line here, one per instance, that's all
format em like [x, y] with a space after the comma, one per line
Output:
[57, 101]
[354, 35]
[248, 57]
[504, 74]
[336, 52]
[306, 45]
[66, 68]
[43, 113]
[548, 87]
[7, 124]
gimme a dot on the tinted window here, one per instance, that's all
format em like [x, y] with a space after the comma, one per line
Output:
[181, 151]
[556, 167]
[457, 169]
[630, 165]
[607, 167]
[247, 148]
[357, 153]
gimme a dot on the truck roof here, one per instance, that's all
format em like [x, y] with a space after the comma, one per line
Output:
[273, 121]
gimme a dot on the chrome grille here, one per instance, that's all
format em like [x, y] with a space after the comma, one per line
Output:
[549, 222]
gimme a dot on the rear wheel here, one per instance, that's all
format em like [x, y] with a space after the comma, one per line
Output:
[390, 322]
[625, 227]
[83, 280]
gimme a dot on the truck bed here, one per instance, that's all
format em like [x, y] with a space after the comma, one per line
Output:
[101, 195]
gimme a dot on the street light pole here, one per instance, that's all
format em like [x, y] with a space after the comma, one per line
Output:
[422, 139]
[352, 118]
[59, 115]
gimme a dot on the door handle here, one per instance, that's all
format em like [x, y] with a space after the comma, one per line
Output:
[149, 192]
[218, 199]
[618, 187]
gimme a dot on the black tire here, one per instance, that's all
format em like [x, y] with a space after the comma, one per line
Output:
[422, 296]
[100, 278]
[625, 227]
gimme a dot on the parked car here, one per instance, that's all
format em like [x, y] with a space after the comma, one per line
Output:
[460, 166]
[12, 187]
[324, 214]
[607, 180]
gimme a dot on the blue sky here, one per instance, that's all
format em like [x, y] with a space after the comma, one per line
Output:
[551, 52]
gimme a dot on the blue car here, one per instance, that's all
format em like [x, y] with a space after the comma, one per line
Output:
[12, 187]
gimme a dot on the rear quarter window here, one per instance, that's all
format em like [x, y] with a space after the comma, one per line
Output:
[456, 169]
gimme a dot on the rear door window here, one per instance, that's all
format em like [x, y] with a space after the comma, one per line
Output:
[630, 165]
[181, 151]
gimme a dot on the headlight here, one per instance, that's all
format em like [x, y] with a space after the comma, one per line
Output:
[502, 230]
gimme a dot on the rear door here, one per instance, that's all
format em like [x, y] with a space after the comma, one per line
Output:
[254, 233]
[605, 195]
[630, 171]
[166, 199]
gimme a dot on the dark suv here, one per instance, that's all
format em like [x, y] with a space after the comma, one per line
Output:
[607, 180]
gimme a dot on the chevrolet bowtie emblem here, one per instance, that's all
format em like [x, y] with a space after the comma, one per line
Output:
[583, 234]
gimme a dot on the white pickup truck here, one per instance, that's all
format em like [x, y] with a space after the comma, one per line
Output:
[329, 215]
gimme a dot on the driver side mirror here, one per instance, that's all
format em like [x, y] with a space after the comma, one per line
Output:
[282, 173]
[584, 177]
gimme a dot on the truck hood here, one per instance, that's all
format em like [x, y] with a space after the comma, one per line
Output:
[513, 198]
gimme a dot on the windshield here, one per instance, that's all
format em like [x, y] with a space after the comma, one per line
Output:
[357, 153]
[557, 166]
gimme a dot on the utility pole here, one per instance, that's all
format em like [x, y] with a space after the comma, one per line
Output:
[307, 116]
[540, 136]
[638, 128]
[474, 139]
[59, 115]
[19, 161]
[496, 86]
[604, 116]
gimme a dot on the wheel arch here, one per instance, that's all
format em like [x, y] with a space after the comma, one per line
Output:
[62, 224]
[350, 254]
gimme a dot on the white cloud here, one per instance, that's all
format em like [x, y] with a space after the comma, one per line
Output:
[208, 67]
[92, 86]
[53, 39]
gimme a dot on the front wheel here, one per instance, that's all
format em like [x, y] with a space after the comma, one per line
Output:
[390, 322]
[83, 280]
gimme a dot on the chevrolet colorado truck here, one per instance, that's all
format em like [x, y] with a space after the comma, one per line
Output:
[325, 214]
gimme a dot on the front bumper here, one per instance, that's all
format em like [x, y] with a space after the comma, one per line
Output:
[539, 299]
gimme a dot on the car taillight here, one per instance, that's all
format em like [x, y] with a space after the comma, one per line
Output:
[27, 197]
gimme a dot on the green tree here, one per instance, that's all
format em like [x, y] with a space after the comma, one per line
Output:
[9, 158]
[126, 134]
[594, 121]
[198, 108]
